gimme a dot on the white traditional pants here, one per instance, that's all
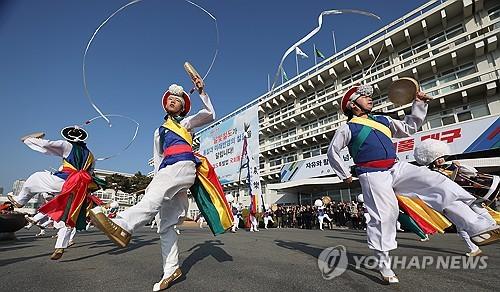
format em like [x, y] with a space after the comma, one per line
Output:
[267, 219]
[63, 235]
[253, 223]
[465, 236]
[321, 219]
[167, 194]
[39, 182]
[442, 194]
[236, 222]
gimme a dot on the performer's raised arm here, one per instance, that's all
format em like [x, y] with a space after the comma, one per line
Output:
[203, 117]
[411, 123]
[59, 148]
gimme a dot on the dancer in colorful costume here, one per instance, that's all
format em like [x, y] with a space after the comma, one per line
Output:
[381, 175]
[72, 183]
[177, 169]
[433, 154]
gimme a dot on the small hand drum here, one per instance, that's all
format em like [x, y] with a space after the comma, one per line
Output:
[274, 207]
[195, 77]
[403, 91]
[326, 200]
[33, 135]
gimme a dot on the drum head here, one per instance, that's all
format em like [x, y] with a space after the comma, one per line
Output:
[274, 207]
[403, 91]
[326, 200]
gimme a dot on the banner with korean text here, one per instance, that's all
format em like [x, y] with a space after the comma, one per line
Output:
[222, 144]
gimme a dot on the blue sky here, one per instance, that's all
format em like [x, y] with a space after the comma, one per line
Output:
[138, 54]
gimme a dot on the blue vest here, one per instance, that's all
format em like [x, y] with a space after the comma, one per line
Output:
[169, 138]
[77, 158]
[377, 146]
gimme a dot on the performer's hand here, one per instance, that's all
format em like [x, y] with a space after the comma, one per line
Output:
[348, 180]
[199, 84]
[422, 96]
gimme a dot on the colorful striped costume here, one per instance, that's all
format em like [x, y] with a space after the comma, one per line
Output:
[72, 203]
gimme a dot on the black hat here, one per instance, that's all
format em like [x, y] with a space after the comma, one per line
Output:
[74, 134]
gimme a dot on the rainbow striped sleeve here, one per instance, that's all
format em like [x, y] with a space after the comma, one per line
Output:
[209, 196]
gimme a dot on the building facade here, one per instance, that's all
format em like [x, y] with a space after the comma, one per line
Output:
[450, 47]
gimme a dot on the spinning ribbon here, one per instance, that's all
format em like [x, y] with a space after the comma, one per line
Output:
[316, 30]
[119, 116]
[106, 21]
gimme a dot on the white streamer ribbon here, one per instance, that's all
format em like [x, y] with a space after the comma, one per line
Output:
[314, 31]
[118, 116]
[85, 87]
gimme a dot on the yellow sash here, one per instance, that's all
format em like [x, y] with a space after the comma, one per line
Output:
[177, 128]
[372, 124]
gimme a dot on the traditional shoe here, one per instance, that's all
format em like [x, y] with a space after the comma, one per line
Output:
[390, 279]
[71, 243]
[14, 202]
[425, 239]
[118, 235]
[487, 237]
[58, 253]
[165, 283]
[42, 233]
[474, 253]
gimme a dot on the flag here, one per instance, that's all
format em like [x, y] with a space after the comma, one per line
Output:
[299, 52]
[283, 74]
[319, 54]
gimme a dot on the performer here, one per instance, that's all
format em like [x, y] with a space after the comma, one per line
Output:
[433, 153]
[254, 223]
[236, 219]
[175, 172]
[268, 216]
[237, 216]
[71, 183]
[200, 220]
[380, 174]
[321, 213]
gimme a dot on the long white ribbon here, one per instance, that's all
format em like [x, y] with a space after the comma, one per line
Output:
[118, 116]
[85, 87]
[314, 31]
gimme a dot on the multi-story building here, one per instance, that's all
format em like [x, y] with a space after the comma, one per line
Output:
[113, 194]
[451, 47]
[17, 186]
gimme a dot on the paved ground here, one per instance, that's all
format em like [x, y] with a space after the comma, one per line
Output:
[273, 260]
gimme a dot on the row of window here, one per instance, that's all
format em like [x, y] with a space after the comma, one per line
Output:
[457, 114]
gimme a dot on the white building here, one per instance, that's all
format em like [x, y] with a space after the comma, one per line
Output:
[111, 194]
[451, 47]
[17, 186]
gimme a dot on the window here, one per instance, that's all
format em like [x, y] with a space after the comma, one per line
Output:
[458, 114]
[412, 50]
[494, 13]
[441, 37]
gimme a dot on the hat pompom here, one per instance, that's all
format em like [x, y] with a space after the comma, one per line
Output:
[176, 90]
[429, 150]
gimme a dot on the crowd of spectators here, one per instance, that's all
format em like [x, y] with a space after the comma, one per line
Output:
[305, 216]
